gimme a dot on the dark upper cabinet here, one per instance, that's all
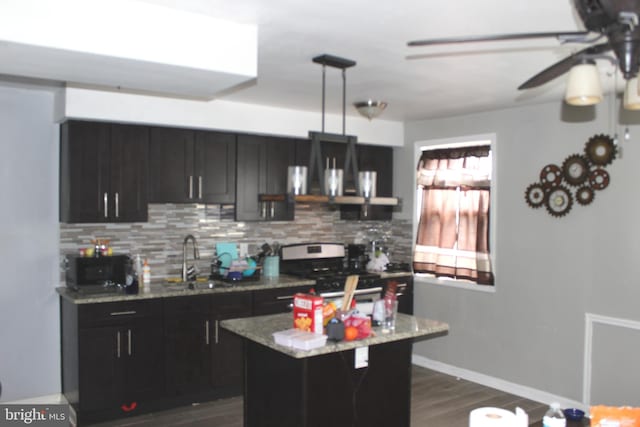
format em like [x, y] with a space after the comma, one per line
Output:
[379, 159]
[262, 164]
[188, 166]
[103, 172]
[215, 164]
[129, 171]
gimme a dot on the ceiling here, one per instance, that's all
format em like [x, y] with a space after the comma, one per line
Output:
[417, 83]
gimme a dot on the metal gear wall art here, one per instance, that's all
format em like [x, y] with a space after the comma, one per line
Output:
[582, 173]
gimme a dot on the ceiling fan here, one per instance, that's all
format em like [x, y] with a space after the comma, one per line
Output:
[614, 21]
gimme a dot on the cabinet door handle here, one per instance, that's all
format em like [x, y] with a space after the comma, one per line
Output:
[106, 205]
[217, 335]
[200, 187]
[129, 341]
[206, 331]
[273, 209]
[122, 313]
[284, 297]
[263, 210]
[191, 186]
[117, 206]
[118, 343]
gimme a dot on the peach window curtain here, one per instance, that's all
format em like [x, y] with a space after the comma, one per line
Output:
[453, 231]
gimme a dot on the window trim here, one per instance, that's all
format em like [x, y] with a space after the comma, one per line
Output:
[461, 141]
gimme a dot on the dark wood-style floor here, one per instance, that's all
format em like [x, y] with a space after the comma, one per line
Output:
[438, 400]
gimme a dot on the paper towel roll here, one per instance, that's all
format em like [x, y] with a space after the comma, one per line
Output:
[496, 417]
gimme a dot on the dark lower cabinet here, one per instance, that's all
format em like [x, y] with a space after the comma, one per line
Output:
[202, 359]
[227, 354]
[274, 301]
[187, 345]
[112, 358]
[130, 357]
[327, 390]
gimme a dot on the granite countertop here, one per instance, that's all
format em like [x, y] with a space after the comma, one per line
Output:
[261, 328]
[165, 290]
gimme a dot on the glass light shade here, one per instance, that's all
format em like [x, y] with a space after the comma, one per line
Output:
[631, 97]
[333, 182]
[367, 181]
[297, 180]
[370, 108]
[583, 87]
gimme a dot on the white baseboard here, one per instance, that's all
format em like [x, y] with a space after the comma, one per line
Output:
[497, 383]
[50, 399]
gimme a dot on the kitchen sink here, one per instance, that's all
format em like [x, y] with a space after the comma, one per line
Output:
[188, 286]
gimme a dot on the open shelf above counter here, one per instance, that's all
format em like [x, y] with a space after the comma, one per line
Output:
[338, 200]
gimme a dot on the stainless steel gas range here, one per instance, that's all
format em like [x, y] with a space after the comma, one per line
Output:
[325, 263]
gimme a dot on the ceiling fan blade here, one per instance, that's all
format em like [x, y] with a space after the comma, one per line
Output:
[561, 67]
[498, 37]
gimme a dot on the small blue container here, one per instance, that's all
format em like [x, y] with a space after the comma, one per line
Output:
[573, 414]
[271, 266]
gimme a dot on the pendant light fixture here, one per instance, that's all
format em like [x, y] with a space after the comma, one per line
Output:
[583, 86]
[315, 161]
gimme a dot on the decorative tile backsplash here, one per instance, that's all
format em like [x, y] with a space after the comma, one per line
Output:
[160, 239]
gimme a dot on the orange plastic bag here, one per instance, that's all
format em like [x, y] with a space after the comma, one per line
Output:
[611, 416]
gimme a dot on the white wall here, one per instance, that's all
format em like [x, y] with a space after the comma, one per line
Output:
[550, 271]
[220, 114]
[29, 331]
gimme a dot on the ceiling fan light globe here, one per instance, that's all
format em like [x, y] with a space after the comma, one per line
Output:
[583, 85]
[631, 100]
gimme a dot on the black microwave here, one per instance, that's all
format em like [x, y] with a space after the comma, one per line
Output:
[105, 270]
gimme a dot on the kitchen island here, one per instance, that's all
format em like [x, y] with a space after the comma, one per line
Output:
[322, 387]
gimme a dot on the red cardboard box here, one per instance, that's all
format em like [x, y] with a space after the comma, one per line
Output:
[307, 312]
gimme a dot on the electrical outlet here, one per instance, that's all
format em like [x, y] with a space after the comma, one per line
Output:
[362, 357]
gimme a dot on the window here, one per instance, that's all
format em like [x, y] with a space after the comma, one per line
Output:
[453, 200]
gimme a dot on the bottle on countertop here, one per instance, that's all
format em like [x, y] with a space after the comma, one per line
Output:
[138, 268]
[554, 417]
[146, 274]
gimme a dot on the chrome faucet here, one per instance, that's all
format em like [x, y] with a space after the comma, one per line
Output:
[196, 254]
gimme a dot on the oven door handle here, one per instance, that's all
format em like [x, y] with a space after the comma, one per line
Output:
[357, 292]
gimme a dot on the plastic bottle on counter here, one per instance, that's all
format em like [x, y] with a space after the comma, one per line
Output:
[138, 269]
[146, 275]
[554, 417]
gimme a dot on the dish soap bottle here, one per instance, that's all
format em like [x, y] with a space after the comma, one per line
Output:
[554, 417]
